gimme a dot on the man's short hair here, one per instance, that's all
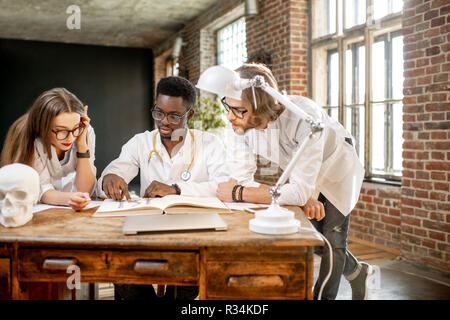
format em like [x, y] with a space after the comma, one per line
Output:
[174, 86]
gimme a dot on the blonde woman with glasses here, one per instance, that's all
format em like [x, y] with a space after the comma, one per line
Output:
[55, 138]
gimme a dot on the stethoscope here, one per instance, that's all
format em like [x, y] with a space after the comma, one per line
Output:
[186, 174]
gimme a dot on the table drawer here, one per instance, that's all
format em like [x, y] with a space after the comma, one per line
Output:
[113, 265]
[255, 280]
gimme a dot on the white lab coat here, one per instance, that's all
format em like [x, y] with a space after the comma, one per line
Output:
[208, 168]
[329, 165]
[60, 175]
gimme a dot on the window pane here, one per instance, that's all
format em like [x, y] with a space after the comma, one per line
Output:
[231, 48]
[355, 13]
[361, 74]
[324, 13]
[333, 113]
[349, 77]
[397, 5]
[355, 75]
[378, 72]
[378, 138]
[333, 78]
[360, 133]
[356, 126]
[380, 8]
[397, 121]
[331, 25]
[384, 7]
[397, 67]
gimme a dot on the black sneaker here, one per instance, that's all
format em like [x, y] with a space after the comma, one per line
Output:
[361, 282]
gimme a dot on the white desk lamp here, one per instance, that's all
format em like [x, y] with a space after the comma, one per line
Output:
[225, 82]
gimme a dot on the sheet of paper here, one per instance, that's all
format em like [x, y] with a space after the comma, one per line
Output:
[42, 206]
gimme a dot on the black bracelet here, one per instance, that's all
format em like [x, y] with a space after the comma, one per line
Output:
[240, 194]
[233, 193]
[177, 189]
[83, 155]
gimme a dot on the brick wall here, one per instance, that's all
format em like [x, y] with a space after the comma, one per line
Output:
[376, 217]
[281, 31]
[425, 193]
[160, 65]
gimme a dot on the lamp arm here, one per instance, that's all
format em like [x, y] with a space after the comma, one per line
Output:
[284, 100]
[274, 191]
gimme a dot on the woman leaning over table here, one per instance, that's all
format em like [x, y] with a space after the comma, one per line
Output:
[55, 138]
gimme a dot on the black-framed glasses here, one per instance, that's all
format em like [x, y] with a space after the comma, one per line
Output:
[238, 113]
[63, 134]
[172, 118]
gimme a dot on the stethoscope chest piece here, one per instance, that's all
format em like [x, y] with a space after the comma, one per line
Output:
[185, 175]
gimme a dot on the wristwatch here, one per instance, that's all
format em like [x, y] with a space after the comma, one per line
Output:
[84, 155]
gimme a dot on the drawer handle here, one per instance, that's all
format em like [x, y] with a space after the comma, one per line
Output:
[147, 266]
[55, 264]
[255, 281]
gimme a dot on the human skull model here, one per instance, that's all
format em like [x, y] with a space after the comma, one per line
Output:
[19, 191]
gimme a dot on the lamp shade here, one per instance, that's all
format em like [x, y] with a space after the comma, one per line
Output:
[221, 81]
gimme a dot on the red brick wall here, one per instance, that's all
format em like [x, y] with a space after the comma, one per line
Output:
[281, 29]
[160, 66]
[425, 195]
[376, 217]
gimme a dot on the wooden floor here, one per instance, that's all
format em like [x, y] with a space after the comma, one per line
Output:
[369, 253]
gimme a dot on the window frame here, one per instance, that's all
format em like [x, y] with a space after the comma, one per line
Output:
[364, 33]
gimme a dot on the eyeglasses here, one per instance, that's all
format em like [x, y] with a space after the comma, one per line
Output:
[171, 118]
[238, 113]
[63, 134]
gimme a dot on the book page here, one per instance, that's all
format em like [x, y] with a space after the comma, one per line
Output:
[116, 207]
[177, 200]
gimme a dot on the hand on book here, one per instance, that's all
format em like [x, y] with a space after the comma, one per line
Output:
[158, 189]
[115, 187]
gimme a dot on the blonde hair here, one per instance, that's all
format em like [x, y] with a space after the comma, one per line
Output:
[267, 106]
[37, 123]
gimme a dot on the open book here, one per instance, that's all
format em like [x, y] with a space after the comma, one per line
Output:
[171, 204]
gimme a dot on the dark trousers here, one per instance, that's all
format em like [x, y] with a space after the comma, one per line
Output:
[335, 228]
[146, 292]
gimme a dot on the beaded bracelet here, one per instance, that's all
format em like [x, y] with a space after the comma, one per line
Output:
[240, 194]
[233, 193]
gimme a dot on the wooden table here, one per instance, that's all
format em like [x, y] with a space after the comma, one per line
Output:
[233, 264]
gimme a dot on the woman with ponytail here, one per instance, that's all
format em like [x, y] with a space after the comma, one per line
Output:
[56, 139]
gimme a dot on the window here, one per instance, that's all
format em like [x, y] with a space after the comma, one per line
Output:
[231, 47]
[361, 65]
[386, 104]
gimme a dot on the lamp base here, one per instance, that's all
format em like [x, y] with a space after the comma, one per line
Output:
[274, 220]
